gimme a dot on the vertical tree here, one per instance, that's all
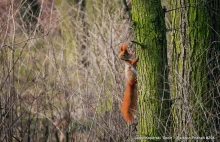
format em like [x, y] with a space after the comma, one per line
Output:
[150, 33]
[213, 66]
[190, 86]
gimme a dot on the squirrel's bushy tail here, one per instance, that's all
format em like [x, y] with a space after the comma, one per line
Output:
[129, 102]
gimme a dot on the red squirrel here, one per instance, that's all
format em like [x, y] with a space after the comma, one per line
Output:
[130, 97]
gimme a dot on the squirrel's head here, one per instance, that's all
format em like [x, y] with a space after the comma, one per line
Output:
[124, 55]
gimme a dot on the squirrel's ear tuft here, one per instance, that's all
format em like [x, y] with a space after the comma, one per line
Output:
[123, 47]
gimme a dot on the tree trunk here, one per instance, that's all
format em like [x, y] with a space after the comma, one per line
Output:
[190, 87]
[214, 69]
[150, 33]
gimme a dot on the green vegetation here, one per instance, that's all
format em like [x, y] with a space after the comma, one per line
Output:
[152, 71]
[61, 78]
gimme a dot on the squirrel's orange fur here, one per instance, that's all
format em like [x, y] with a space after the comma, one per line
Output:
[130, 97]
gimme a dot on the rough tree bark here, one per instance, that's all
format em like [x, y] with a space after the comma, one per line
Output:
[213, 68]
[190, 84]
[150, 34]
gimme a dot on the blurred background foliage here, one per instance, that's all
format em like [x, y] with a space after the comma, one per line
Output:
[61, 79]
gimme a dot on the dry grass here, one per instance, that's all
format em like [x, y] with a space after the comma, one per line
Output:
[60, 72]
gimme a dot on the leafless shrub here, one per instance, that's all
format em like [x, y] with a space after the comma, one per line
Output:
[46, 90]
